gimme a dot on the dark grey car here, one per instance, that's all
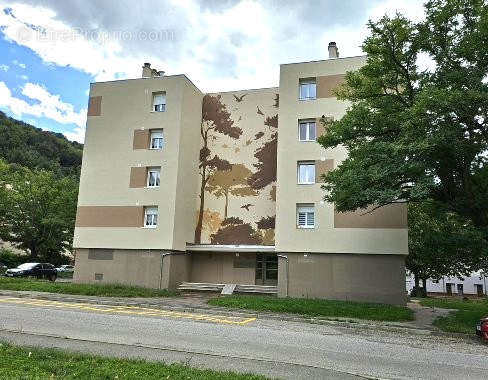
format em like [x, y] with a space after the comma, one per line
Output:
[38, 270]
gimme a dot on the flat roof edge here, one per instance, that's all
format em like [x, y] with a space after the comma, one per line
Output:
[229, 248]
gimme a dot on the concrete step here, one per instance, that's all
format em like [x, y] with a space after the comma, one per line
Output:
[240, 288]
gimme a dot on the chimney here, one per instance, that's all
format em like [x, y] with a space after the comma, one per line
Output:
[333, 51]
[161, 73]
[146, 70]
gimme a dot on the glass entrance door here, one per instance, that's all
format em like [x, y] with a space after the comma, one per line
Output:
[266, 269]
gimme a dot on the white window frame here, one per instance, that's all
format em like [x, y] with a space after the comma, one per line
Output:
[309, 211]
[157, 177]
[159, 102]
[308, 180]
[307, 83]
[308, 124]
[156, 135]
[151, 217]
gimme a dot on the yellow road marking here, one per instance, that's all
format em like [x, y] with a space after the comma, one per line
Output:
[130, 310]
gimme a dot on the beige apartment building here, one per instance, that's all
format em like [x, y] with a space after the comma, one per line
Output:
[185, 189]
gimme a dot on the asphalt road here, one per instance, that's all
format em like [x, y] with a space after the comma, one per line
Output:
[274, 348]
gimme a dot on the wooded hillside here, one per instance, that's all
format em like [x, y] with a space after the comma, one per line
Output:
[25, 145]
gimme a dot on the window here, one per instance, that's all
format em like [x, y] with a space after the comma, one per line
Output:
[156, 140]
[151, 217]
[460, 289]
[305, 216]
[159, 102]
[308, 89]
[307, 131]
[479, 289]
[306, 172]
[153, 177]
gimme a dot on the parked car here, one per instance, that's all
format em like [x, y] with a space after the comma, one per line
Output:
[66, 268]
[38, 270]
[482, 328]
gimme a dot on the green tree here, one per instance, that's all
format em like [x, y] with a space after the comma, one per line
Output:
[34, 148]
[38, 211]
[442, 243]
[415, 134]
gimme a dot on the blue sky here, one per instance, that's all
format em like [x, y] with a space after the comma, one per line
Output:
[20, 65]
[50, 50]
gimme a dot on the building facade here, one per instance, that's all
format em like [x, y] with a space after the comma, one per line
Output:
[224, 188]
[472, 285]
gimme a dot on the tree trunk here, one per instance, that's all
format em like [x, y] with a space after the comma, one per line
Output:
[198, 228]
[424, 284]
[34, 253]
[226, 204]
[416, 280]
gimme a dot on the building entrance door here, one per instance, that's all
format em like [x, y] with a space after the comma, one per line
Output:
[266, 269]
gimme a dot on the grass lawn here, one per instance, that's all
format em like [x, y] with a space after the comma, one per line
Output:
[464, 319]
[34, 363]
[317, 307]
[65, 274]
[103, 290]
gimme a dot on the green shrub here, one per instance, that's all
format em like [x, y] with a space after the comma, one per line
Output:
[12, 259]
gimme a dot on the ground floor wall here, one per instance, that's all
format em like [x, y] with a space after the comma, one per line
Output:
[223, 267]
[147, 268]
[352, 277]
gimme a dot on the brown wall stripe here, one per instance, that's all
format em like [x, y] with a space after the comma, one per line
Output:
[138, 177]
[109, 216]
[141, 139]
[327, 84]
[391, 216]
[95, 106]
[321, 128]
[322, 167]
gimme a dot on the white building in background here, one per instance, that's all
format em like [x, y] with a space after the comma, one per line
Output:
[472, 285]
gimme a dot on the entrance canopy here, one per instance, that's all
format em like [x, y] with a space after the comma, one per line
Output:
[229, 248]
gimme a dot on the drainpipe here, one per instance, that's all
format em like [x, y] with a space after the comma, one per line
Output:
[287, 271]
[163, 255]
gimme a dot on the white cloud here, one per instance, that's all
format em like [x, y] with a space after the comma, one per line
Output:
[46, 105]
[23, 77]
[17, 63]
[219, 45]
[4, 68]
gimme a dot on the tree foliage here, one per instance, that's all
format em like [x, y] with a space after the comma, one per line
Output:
[442, 243]
[233, 182]
[235, 231]
[38, 211]
[215, 119]
[266, 166]
[414, 134]
[25, 145]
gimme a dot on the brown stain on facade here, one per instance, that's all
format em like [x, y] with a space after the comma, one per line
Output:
[109, 216]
